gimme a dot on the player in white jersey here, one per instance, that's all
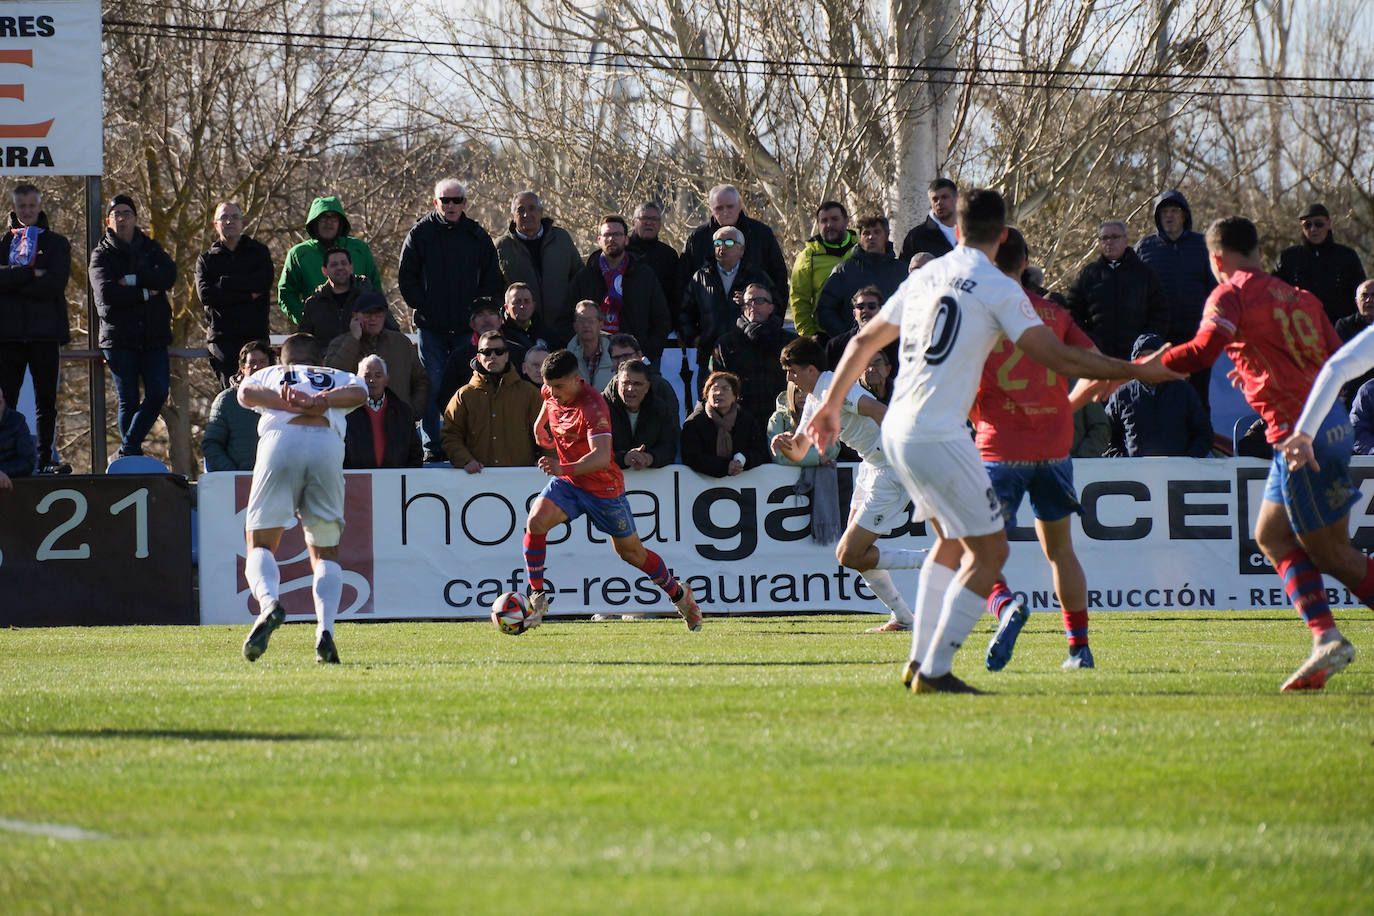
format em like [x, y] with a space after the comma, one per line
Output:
[949, 315]
[879, 500]
[298, 472]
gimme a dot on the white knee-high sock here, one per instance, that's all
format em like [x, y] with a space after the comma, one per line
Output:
[899, 558]
[961, 613]
[264, 578]
[880, 581]
[930, 598]
[327, 588]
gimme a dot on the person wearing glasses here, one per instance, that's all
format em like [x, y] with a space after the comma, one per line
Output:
[130, 276]
[865, 304]
[1329, 271]
[1118, 297]
[1179, 256]
[712, 300]
[234, 283]
[447, 263]
[751, 351]
[489, 423]
[761, 248]
[625, 287]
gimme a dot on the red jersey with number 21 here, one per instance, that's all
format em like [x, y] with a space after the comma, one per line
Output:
[1278, 337]
[573, 426]
[1022, 411]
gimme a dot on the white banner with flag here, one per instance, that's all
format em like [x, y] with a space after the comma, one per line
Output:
[51, 111]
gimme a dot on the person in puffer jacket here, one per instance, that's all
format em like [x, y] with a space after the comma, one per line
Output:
[1150, 421]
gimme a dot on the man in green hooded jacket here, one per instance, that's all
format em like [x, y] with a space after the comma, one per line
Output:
[328, 227]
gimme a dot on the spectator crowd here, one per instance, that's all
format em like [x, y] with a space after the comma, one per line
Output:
[488, 311]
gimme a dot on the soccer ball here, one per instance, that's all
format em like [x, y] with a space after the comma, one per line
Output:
[510, 613]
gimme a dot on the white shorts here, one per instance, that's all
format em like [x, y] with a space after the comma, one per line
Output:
[299, 471]
[947, 483]
[880, 500]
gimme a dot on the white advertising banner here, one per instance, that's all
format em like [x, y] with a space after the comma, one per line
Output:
[1155, 534]
[51, 111]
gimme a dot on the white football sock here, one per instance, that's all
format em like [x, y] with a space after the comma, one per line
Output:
[930, 598]
[264, 578]
[880, 581]
[961, 613]
[327, 589]
[899, 558]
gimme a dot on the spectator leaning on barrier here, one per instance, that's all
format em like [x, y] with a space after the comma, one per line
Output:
[17, 453]
[1351, 325]
[1179, 256]
[814, 264]
[625, 288]
[328, 227]
[1157, 420]
[1118, 297]
[786, 413]
[368, 336]
[34, 266]
[541, 255]
[447, 263]
[936, 236]
[644, 424]
[130, 276]
[489, 423]
[761, 249]
[624, 347]
[1329, 271]
[381, 433]
[721, 438]
[234, 283]
[871, 263]
[231, 431]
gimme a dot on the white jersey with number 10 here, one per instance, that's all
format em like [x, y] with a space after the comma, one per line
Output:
[951, 313]
[308, 379]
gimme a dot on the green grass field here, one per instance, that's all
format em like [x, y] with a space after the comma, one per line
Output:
[767, 765]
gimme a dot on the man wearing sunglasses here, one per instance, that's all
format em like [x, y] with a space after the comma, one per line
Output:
[490, 421]
[1329, 271]
[448, 261]
[714, 296]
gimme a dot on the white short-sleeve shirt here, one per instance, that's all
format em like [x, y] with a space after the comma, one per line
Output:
[308, 379]
[858, 432]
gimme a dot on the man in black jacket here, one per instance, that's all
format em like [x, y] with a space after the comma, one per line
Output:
[713, 297]
[625, 288]
[130, 275]
[644, 426]
[34, 266]
[447, 263]
[761, 249]
[658, 254]
[1329, 271]
[234, 280]
[1118, 297]
[381, 433]
[935, 236]
[873, 264]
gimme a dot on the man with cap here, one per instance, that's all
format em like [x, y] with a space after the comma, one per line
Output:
[1329, 271]
[130, 275]
[367, 335]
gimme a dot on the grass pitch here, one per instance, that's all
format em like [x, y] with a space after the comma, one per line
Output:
[767, 765]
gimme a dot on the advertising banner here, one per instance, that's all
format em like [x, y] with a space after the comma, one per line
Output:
[51, 111]
[1155, 534]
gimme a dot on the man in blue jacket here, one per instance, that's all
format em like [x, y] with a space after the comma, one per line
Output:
[1179, 256]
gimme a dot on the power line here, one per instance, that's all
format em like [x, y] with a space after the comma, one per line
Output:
[699, 63]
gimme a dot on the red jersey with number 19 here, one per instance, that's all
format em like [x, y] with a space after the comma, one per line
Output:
[1277, 336]
[573, 427]
[1022, 410]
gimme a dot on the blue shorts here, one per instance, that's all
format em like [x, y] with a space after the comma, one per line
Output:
[1316, 499]
[1049, 483]
[610, 514]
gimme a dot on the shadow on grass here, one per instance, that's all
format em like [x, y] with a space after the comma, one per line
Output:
[180, 734]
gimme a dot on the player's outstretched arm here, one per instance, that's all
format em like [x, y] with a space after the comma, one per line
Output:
[1041, 345]
[824, 428]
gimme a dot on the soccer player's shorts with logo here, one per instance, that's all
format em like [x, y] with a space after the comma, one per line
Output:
[947, 483]
[1316, 499]
[879, 501]
[610, 514]
[299, 471]
[1048, 483]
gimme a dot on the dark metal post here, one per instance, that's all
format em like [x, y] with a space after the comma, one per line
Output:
[95, 230]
